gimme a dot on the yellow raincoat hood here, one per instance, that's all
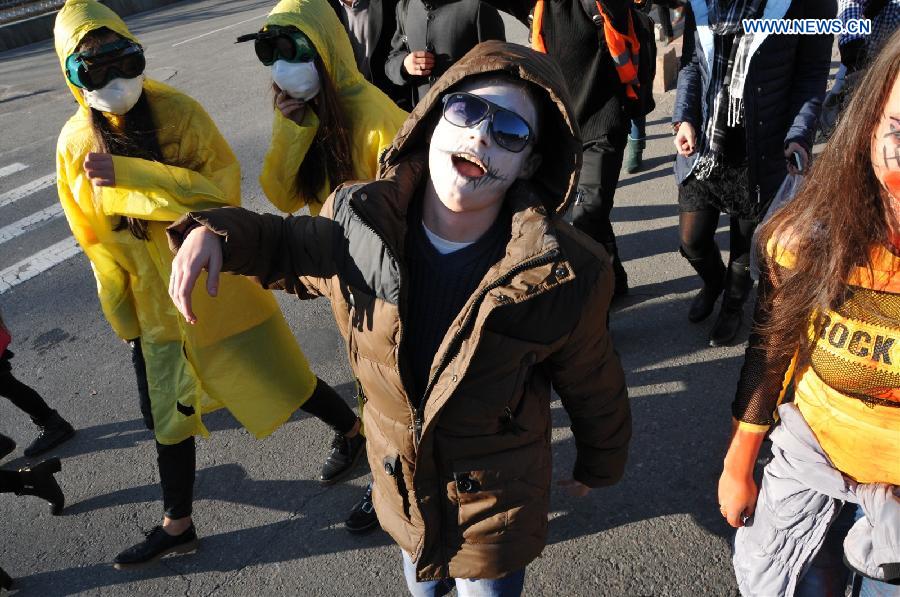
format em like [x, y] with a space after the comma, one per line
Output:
[372, 116]
[75, 20]
[241, 354]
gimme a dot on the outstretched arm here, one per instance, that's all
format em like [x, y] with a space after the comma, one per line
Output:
[295, 253]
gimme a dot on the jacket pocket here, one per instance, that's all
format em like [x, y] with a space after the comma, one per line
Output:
[503, 496]
[509, 417]
[394, 482]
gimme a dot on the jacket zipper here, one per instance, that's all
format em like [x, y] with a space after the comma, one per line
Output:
[548, 257]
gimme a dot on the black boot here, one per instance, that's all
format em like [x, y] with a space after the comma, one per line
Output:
[157, 543]
[7, 445]
[738, 285]
[712, 271]
[38, 481]
[344, 454]
[621, 277]
[5, 580]
[363, 517]
[54, 431]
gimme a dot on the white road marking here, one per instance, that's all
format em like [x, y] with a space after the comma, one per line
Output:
[27, 189]
[221, 29]
[11, 169]
[38, 263]
[22, 226]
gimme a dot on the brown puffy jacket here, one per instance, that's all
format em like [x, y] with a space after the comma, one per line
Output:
[463, 484]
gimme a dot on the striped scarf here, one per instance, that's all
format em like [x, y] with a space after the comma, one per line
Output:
[728, 73]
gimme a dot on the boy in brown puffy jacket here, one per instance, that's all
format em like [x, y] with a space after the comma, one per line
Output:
[463, 298]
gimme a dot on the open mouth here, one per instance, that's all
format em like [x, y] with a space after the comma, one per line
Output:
[468, 165]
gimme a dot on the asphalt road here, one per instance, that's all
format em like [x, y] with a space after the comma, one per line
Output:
[267, 527]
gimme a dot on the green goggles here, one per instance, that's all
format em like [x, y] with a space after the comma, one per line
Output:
[93, 69]
[280, 43]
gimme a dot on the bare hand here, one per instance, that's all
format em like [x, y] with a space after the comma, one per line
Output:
[291, 108]
[419, 63]
[686, 139]
[789, 156]
[202, 249]
[574, 488]
[100, 169]
[737, 497]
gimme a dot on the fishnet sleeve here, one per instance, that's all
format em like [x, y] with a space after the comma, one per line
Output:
[766, 372]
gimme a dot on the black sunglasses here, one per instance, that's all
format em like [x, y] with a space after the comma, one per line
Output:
[92, 70]
[509, 130]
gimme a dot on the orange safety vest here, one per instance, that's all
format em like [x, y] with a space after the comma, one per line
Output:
[624, 49]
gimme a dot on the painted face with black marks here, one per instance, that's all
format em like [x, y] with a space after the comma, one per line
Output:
[886, 145]
[470, 171]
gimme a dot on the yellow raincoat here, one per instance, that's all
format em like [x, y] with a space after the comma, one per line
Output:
[373, 118]
[241, 353]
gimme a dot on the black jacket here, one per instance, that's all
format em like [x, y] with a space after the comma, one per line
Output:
[446, 28]
[782, 94]
[382, 23]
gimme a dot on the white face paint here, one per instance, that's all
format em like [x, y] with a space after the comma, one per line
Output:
[469, 171]
[116, 97]
[300, 80]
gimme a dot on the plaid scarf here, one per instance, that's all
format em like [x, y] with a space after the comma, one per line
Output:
[728, 73]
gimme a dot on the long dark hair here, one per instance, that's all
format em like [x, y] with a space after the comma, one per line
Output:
[329, 154]
[840, 213]
[137, 137]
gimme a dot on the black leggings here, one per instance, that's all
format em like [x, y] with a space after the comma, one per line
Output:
[698, 235]
[22, 396]
[178, 462]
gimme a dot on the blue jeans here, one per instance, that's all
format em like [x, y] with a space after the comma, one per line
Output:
[638, 126]
[828, 576]
[508, 586]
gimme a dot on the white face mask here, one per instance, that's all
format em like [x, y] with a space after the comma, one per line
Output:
[300, 80]
[468, 169]
[116, 97]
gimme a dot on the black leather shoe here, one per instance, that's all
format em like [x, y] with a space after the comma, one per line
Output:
[703, 304]
[727, 325]
[38, 481]
[344, 454]
[7, 445]
[363, 517]
[54, 431]
[157, 544]
[5, 580]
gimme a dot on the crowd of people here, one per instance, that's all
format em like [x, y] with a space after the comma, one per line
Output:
[458, 193]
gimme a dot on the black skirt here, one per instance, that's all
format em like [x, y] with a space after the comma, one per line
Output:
[728, 192]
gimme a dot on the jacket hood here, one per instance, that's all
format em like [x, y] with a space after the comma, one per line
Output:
[559, 139]
[318, 21]
[76, 19]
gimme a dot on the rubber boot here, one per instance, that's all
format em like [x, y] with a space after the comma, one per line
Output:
[38, 481]
[634, 154]
[621, 277]
[738, 285]
[712, 271]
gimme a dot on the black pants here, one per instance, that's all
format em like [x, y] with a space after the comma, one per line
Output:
[600, 168]
[178, 462]
[664, 18]
[22, 396]
[10, 481]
